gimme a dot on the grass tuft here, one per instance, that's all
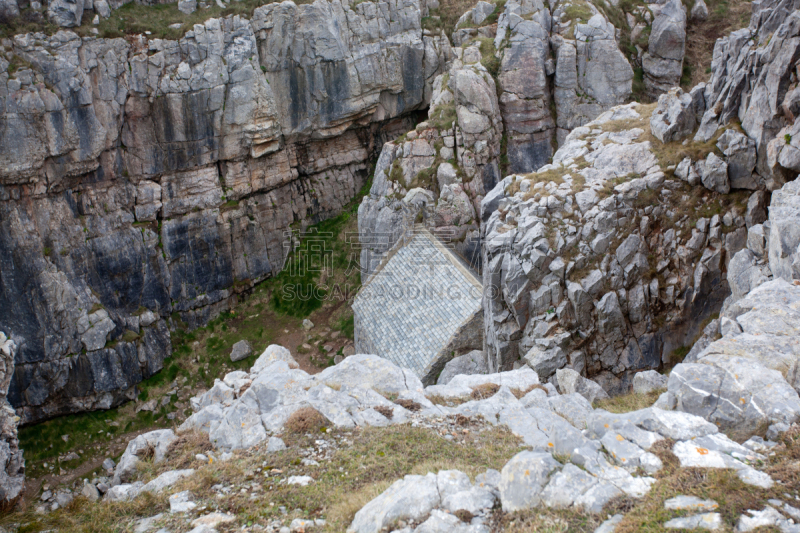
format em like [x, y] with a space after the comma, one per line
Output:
[625, 403]
[306, 420]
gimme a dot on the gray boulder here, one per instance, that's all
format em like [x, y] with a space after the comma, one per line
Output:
[472, 363]
[663, 61]
[187, 7]
[275, 444]
[570, 382]
[686, 171]
[648, 381]
[545, 361]
[102, 8]
[739, 395]
[90, 492]
[446, 175]
[410, 498]
[370, 371]
[241, 350]
[481, 11]
[784, 235]
[523, 478]
[756, 209]
[714, 174]
[273, 353]
[674, 117]
[699, 11]
[740, 154]
[124, 492]
[156, 442]
[573, 487]
[745, 273]
[166, 480]
[65, 13]
[609, 525]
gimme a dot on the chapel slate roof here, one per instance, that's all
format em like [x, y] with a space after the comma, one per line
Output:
[415, 301]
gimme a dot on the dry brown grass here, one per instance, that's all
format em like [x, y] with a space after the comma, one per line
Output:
[626, 403]
[385, 411]
[411, 405]
[520, 393]
[306, 420]
[486, 390]
[546, 521]
[364, 463]
[725, 16]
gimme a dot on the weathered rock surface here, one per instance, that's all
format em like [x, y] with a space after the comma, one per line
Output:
[753, 81]
[473, 362]
[674, 118]
[161, 175]
[579, 273]
[12, 464]
[663, 61]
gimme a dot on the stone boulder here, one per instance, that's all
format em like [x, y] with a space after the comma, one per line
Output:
[472, 363]
[9, 8]
[370, 371]
[674, 117]
[714, 174]
[187, 7]
[241, 350]
[649, 381]
[739, 382]
[65, 13]
[155, 443]
[273, 353]
[571, 382]
[663, 61]
[410, 498]
[740, 155]
[784, 235]
[523, 478]
[699, 11]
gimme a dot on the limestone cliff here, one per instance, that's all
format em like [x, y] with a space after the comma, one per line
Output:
[141, 178]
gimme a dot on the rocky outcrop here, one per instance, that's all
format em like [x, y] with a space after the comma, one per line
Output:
[753, 81]
[473, 129]
[591, 73]
[746, 378]
[12, 464]
[438, 173]
[663, 61]
[597, 262]
[141, 178]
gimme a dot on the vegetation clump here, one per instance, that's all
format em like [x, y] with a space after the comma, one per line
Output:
[306, 420]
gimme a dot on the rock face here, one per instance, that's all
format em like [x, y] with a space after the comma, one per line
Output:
[12, 464]
[753, 81]
[470, 123]
[580, 266]
[663, 61]
[591, 74]
[747, 379]
[161, 175]
[473, 362]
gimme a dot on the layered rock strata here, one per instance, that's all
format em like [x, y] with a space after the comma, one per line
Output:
[142, 178]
